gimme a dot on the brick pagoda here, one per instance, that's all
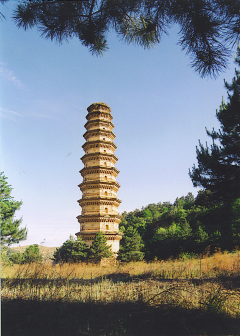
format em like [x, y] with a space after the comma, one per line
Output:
[99, 188]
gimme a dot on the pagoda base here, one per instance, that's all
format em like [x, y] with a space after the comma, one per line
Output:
[113, 238]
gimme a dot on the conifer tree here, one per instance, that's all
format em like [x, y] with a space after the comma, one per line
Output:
[99, 248]
[72, 250]
[10, 228]
[219, 166]
[32, 254]
[131, 246]
[203, 32]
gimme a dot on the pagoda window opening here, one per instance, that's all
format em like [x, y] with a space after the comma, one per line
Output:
[107, 227]
[106, 210]
[106, 178]
[106, 193]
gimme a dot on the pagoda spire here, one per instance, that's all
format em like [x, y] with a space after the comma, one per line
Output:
[99, 188]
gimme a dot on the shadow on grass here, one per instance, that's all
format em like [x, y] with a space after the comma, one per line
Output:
[45, 318]
[229, 282]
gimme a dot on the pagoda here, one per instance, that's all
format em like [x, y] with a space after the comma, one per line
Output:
[99, 188]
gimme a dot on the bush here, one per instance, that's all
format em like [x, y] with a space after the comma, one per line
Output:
[99, 248]
[30, 255]
[16, 258]
[131, 246]
[5, 254]
[72, 250]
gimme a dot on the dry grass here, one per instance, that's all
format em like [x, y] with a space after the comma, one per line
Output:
[204, 267]
[210, 285]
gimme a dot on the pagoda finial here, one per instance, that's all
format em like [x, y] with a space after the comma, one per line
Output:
[97, 106]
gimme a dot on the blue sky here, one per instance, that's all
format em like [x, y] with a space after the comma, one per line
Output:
[160, 109]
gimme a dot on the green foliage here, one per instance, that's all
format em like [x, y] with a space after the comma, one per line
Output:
[30, 255]
[5, 252]
[235, 223]
[169, 230]
[218, 168]
[99, 248]
[10, 228]
[72, 250]
[203, 33]
[131, 246]
[172, 240]
[17, 258]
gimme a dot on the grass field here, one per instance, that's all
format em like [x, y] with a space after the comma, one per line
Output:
[198, 296]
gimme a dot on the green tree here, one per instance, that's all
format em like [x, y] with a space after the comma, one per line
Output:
[72, 250]
[204, 34]
[16, 258]
[219, 166]
[30, 255]
[236, 222]
[10, 228]
[99, 248]
[131, 246]
[172, 240]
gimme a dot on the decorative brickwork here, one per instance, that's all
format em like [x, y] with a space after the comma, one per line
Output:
[99, 187]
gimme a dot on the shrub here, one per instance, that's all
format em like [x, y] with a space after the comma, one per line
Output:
[99, 248]
[16, 258]
[72, 250]
[30, 255]
[131, 246]
[5, 254]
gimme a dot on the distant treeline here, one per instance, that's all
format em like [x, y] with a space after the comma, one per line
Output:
[189, 225]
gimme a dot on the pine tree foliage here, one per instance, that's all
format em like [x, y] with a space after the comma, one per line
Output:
[10, 228]
[30, 255]
[219, 166]
[72, 250]
[1, 15]
[208, 28]
[99, 248]
[131, 246]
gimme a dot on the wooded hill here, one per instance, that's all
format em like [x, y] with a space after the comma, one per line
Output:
[189, 225]
[212, 220]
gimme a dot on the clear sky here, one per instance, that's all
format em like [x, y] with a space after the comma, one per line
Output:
[160, 109]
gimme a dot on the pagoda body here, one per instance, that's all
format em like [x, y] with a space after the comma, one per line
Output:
[99, 188]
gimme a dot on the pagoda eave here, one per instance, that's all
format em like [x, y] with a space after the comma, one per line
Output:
[99, 132]
[112, 183]
[94, 142]
[98, 169]
[88, 155]
[99, 113]
[116, 235]
[97, 218]
[99, 200]
[105, 122]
